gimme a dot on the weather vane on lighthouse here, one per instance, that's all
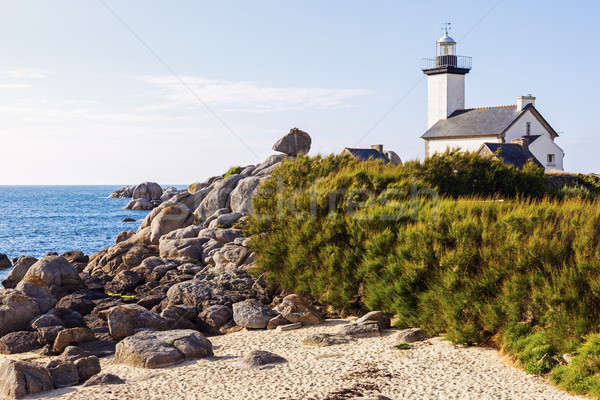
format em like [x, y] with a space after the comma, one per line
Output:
[446, 27]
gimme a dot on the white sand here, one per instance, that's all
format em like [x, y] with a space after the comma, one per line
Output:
[434, 369]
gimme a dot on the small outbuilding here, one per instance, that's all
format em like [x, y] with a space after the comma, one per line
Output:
[374, 153]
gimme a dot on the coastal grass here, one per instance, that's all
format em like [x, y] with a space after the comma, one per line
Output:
[456, 245]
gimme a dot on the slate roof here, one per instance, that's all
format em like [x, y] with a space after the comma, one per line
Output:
[366, 154]
[512, 153]
[489, 121]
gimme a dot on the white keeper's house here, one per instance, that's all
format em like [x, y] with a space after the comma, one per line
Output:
[501, 128]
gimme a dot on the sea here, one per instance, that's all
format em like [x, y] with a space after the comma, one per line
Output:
[35, 220]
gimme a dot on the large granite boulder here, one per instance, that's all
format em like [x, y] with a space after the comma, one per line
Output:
[19, 342]
[215, 317]
[221, 235]
[104, 379]
[139, 204]
[19, 379]
[147, 191]
[152, 349]
[37, 289]
[252, 314]
[188, 250]
[217, 198]
[124, 320]
[18, 272]
[192, 292]
[64, 373]
[295, 308]
[241, 196]
[124, 255]
[56, 272]
[123, 282]
[168, 219]
[122, 193]
[294, 143]
[72, 336]
[16, 311]
[375, 316]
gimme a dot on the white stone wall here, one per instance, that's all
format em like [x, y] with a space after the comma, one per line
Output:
[445, 94]
[433, 146]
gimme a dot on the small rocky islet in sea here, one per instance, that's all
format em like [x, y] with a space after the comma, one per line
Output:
[151, 298]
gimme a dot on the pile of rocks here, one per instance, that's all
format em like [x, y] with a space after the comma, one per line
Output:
[145, 196]
[147, 297]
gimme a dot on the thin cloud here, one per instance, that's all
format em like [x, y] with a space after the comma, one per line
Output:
[25, 73]
[249, 96]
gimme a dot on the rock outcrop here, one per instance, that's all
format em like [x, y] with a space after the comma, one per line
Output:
[18, 272]
[147, 191]
[294, 143]
[151, 349]
[19, 379]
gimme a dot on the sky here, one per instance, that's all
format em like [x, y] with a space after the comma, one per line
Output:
[125, 91]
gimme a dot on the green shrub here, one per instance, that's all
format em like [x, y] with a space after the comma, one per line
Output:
[403, 346]
[233, 171]
[432, 244]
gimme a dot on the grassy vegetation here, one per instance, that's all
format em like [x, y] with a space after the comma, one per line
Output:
[457, 244]
[233, 171]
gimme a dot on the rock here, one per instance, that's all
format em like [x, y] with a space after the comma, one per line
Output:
[225, 220]
[217, 198]
[37, 289]
[183, 250]
[124, 255]
[139, 204]
[19, 379]
[56, 272]
[261, 358]
[295, 308]
[151, 349]
[192, 293]
[268, 165]
[16, 311]
[46, 320]
[79, 302]
[75, 257]
[72, 336]
[124, 320]
[64, 373]
[87, 367]
[375, 316]
[252, 313]
[74, 353]
[150, 301]
[123, 282]
[19, 342]
[46, 335]
[4, 261]
[170, 218]
[221, 235]
[215, 317]
[294, 143]
[123, 193]
[128, 219]
[147, 191]
[104, 379]
[364, 330]
[411, 335]
[122, 236]
[18, 272]
[241, 196]
[168, 193]
[325, 339]
[289, 327]
[69, 318]
[215, 215]
[180, 316]
[277, 321]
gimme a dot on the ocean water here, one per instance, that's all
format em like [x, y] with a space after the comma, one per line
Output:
[37, 219]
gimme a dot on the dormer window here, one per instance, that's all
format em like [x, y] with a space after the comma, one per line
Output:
[528, 128]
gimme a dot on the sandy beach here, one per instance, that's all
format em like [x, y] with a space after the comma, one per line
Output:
[433, 369]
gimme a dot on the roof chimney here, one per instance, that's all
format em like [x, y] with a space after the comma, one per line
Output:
[522, 141]
[378, 147]
[523, 101]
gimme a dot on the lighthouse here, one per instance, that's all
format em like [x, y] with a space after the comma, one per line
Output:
[445, 79]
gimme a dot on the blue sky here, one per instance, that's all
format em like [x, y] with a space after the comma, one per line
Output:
[82, 101]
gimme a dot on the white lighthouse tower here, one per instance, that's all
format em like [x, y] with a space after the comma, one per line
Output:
[445, 79]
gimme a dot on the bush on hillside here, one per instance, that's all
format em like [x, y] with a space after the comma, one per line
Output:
[431, 243]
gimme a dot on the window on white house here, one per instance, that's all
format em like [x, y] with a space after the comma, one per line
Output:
[528, 128]
[551, 159]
